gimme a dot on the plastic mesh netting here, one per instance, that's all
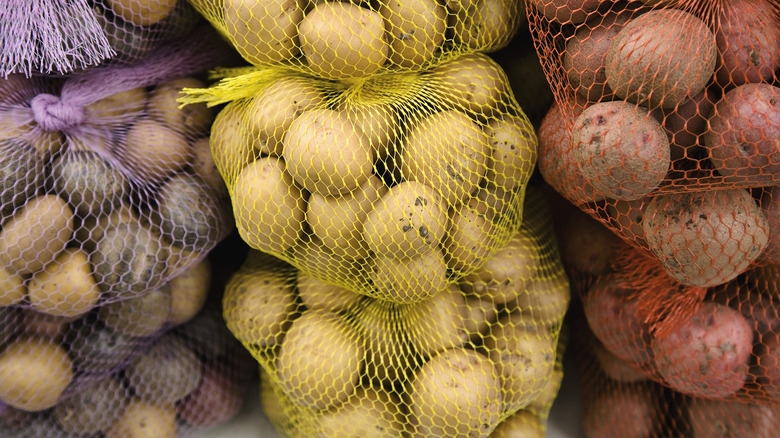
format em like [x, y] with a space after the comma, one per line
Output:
[336, 363]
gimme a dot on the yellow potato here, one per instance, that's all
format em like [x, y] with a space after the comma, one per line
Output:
[189, 291]
[389, 353]
[472, 83]
[12, 287]
[513, 152]
[447, 152]
[524, 359]
[368, 413]
[410, 279]
[342, 40]
[319, 363]
[439, 322]
[259, 304]
[123, 104]
[415, 29]
[338, 220]
[153, 151]
[270, 114]
[34, 372]
[470, 236]
[36, 234]
[523, 424]
[143, 419]
[64, 287]
[499, 202]
[272, 399]
[268, 206]
[487, 25]
[326, 154]
[544, 400]
[91, 229]
[480, 314]
[316, 259]
[264, 31]
[377, 122]
[203, 165]
[140, 315]
[545, 300]
[190, 120]
[317, 294]
[231, 142]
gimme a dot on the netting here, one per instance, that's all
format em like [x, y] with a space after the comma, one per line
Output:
[349, 40]
[62, 37]
[335, 363]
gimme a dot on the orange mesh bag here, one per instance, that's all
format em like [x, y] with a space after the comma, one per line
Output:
[481, 355]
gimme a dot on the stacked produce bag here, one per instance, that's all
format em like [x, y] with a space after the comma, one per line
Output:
[664, 133]
[110, 207]
[377, 163]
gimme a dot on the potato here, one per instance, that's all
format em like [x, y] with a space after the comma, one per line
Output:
[21, 174]
[631, 411]
[686, 123]
[142, 12]
[447, 152]
[231, 142]
[36, 234]
[743, 134]
[524, 359]
[258, 304]
[192, 119]
[544, 400]
[661, 57]
[129, 104]
[91, 229]
[470, 236]
[437, 323]
[620, 149]
[153, 152]
[472, 83]
[94, 408]
[415, 30]
[587, 245]
[566, 11]
[18, 127]
[95, 348]
[317, 294]
[513, 152]
[378, 122]
[456, 393]
[613, 367]
[314, 258]
[142, 315]
[325, 154]
[585, 53]
[545, 300]
[557, 163]
[721, 419]
[268, 206]
[143, 419]
[705, 238]
[273, 400]
[480, 314]
[769, 361]
[339, 220]
[407, 221]
[707, 355]
[90, 184]
[748, 42]
[612, 314]
[487, 25]
[626, 221]
[189, 291]
[264, 31]
[368, 413]
[13, 288]
[506, 272]
[129, 259]
[314, 376]
[341, 40]
[216, 400]
[65, 287]
[12, 321]
[500, 203]
[412, 279]
[522, 424]
[38, 324]
[165, 373]
[270, 113]
[34, 373]
[390, 356]
[202, 164]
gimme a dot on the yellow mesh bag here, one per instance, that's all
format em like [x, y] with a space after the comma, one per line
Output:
[392, 186]
[342, 40]
[336, 363]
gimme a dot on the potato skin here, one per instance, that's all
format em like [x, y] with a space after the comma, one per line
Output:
[26, 357]
[415, 29]
[410, 279]
[620, 149]
[705, 238]
[748, 42]
[661, 57]
[90, 184]
[723, 419]
[143, 419]
[21, 174]
[631, 410]
[264, 31]
[566, 11]
[706, 356]
[473, 83]
[744, 134]
[368, 413]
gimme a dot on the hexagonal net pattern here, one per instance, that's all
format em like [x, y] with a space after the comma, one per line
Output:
[480, 356]
[356, 39]
[55, 37]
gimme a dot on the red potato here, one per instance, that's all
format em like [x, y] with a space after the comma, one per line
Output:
[614, 367]
[216, 400]
[706, 356]
[686, 123]
[758, 305]
[556, 162]
[769, 362]
[620, 149]
[744, 135]
[566, 11]
[721, 419]
[627, 411]
[748, 41]
[770, 203]
[613, 319]
[587, 245]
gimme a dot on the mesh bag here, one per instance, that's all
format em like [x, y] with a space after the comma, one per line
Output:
[394, 186]
[335, 363]
[349, 40]
[158, 365]
[61, 37]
